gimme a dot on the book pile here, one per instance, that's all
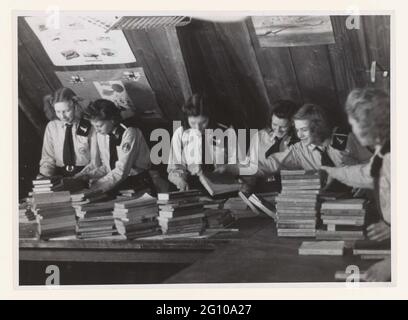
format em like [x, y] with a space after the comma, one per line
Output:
[372, 250]
[181, 213]
[47, 184]
[219, 184]
[328, 248]
[297, 205]
[55, 215]
[342, 219]
[137, 218]
[57, 183]
[95, 220]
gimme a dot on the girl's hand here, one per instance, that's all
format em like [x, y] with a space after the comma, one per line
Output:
[182, 185]
[379, 231]
[379, 272]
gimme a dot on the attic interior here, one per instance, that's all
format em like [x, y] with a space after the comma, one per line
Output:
[223, 59]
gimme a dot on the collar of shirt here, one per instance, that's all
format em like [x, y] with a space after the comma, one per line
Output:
[325, 144]
[74, 124]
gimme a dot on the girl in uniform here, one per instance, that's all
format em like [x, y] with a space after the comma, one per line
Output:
[121, 157]
[66, 146]
[193, 150]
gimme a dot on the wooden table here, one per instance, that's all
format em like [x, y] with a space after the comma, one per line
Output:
[255, 254]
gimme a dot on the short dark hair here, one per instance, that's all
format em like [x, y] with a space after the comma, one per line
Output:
[370, 107]
[196, 105]
[284, 109]
[102, 109]
[319, 122]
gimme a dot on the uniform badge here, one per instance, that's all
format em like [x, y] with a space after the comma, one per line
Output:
[82, 150]
[339, 140]
[84, 127]
[126, 147]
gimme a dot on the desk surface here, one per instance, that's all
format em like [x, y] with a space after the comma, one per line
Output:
[265, 258]
[255, 254]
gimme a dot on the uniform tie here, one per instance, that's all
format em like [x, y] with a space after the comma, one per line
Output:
[113, 152]
[326, 160]
[274, 148]
[68, 153]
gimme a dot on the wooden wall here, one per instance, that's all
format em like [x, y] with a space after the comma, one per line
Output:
[158, 52]
[226, 60]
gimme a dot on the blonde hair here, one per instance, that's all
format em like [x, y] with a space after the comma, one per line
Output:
[370, 108]
[61, 95]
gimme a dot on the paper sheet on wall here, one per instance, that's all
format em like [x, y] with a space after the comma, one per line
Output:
[74, 41]
[128, 88]
[290, 31]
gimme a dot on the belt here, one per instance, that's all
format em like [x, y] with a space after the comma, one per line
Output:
[69, 170]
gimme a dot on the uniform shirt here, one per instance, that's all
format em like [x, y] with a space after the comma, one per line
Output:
[186, 153]
[52, 150]
[300, 156]
[359, 176]
[133, 158]
[260, 144]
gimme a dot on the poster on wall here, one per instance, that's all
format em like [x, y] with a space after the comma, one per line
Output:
[127, 88]
[74, 41]
[290, 31]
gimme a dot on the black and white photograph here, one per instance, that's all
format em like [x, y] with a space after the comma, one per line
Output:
[203, 149]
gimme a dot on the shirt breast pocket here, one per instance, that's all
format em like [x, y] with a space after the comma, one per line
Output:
[82, 146]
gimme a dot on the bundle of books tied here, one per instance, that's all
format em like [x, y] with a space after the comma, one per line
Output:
[56, 183]
[55, 215]
[297, 205]
[181, 213]
[343, 219]
[137, 217]
[95, 220]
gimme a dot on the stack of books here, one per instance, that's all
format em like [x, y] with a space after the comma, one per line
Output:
[55, 215]
[342, 219]
[328, 248]
[297, 205]
[372, 250]
[95, 220]
[137, 218]
[181, 212]
[47, 185]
